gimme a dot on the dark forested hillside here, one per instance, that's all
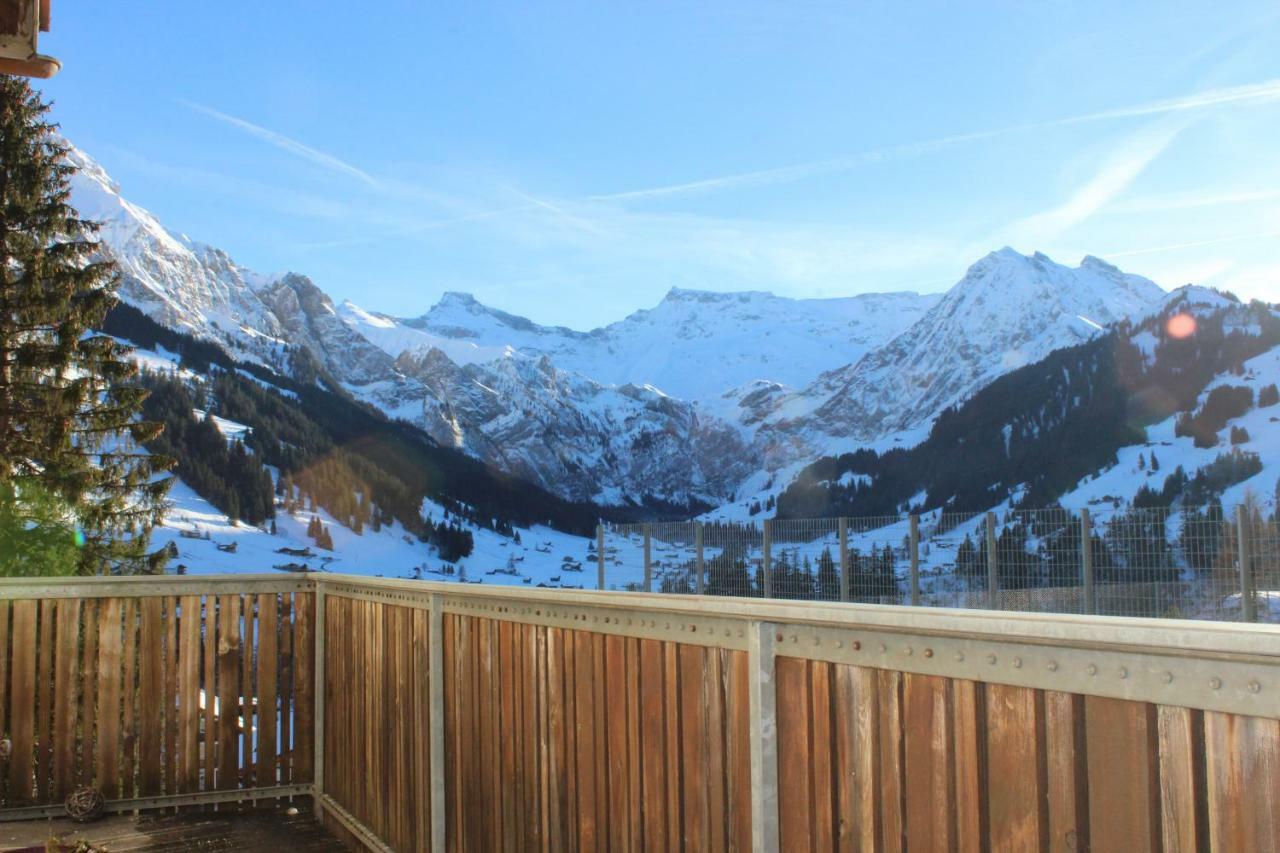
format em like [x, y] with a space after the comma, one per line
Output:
[342, 453]
[1045, 426]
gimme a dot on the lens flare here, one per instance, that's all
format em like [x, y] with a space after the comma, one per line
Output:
[1181, 326]
[79, 538]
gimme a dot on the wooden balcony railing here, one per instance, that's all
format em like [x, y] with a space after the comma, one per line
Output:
[456, 717]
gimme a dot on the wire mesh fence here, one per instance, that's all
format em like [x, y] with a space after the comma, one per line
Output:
[1182, 562]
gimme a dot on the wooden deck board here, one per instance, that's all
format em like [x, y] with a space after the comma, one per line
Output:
[265, 830]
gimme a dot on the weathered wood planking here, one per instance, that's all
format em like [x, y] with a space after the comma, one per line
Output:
[565, 739]
[579, 741]
[960, 765]
[377, 723]
[108, 692]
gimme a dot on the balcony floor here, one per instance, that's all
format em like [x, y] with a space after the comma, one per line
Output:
[271, 831]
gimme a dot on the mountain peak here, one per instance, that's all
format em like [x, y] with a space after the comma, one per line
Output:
[458, 298]
[683, 294]
[1098, 263]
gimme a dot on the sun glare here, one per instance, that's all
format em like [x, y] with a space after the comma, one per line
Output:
[1181, 326]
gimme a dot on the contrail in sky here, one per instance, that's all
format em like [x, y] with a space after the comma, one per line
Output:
[1265, 91]
[285, 143]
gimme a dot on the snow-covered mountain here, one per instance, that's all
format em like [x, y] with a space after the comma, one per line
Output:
[733, 338]
[575, 436]
[684, 401]
[181, 283]
[580, 438]
[1007, 311]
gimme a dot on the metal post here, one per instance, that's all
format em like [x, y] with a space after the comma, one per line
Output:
[599, 556]
[435, 681]
[914, 543]
[844, 560]
[648, 561]
[993, 576]
[1086, 561]
[766, 567]
[764, 741]
[1248, 606]
[697, 540]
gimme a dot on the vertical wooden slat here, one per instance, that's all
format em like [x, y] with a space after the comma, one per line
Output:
[821, 785]
[129, 688]
[22, 693]
[150, 697]
[286, 688]
[68, 700]
[929, 762]
[653, 744]
[451, 726]
[557, 767]
[675, 780]
[795, 800]
[1242, 756]
[228, 769]
[1068, 803]
[169, 762]
[45, 653]
[504, 668]
[739, 751]
[475, 709]
[635, 765]
[404, 741]
[1184, 824]
[856, 752]
[209, 688]
[420, 691]
[584, 724]
[108, 716]
[600, 711]
[248, 689]
[1124, 788]
[89, 693]
[304, 686]
[968, 702]
[189, 695]
[1015, 769]
[889, 694]
[693, 739]
[714, 750]
[619, 823]
[268, 711]
[5, 691]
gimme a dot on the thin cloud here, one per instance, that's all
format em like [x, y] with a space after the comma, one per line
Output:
[1193, 201]
[1120, 169]
[285, 143]
[1195, 244]
[1266, 91]
[543, 204]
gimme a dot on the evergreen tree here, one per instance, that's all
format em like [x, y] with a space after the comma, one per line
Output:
[68, 410]
[828, 578]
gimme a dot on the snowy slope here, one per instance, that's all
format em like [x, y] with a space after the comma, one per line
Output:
[1263, 425]
[184, 284]
[732, 338]
[388, 553]
[1007, 311]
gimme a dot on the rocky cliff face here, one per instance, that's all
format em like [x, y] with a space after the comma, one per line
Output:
[582, 439]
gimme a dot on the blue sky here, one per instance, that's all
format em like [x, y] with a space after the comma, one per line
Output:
[573, 161]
